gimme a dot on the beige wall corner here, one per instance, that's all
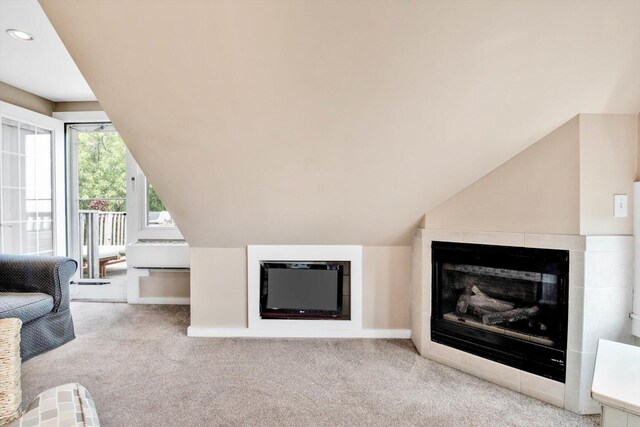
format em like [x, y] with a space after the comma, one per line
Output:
[219, 287]
[420, 261]
[423, 222]
[537, 191]
[608, 166]
[386, 281]
[25, 99]
[60, 107]
[165, 285]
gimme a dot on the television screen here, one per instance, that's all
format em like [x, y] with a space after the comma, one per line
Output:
[299, 288]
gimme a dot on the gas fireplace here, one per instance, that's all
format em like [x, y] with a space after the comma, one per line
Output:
[507, 304]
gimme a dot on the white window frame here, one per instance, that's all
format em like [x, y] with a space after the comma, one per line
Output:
[71, 190]
[138, 228]
[56, 127]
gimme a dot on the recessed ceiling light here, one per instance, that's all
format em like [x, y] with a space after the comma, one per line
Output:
[20, 35]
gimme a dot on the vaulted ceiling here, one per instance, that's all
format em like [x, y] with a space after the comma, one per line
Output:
[264, 122]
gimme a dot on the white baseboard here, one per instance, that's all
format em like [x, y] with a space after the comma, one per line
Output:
[160, 300]
[311, 333]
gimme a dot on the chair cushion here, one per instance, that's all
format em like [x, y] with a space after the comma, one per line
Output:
[106, 251]
[26, 306]
[68, 405]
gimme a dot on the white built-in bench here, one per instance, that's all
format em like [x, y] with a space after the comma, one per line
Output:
[616, 384]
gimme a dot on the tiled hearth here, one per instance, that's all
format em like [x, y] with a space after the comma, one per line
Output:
[600, 295]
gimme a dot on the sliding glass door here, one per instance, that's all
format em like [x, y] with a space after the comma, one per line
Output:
[97, 218]
[26, 189]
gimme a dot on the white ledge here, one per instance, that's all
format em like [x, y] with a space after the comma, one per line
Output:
[194, 331]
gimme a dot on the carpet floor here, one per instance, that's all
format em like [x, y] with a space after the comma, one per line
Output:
[143, 370]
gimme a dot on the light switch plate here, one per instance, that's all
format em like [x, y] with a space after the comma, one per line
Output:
[620, 205]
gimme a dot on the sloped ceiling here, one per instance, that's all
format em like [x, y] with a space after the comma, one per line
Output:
[340, 122]
[42, 67]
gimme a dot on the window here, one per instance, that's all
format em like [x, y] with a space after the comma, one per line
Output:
[157, 214]
[148, 216]
[26, 184]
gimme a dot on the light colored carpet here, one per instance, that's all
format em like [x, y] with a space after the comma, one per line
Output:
[143, 370]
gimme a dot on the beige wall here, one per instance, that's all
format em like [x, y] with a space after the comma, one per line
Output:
[32, 102]
[536, 192]
[165, 284]
[219, 287]
[77, 106]
[386, 284]
[25, 99]
[563, 184]
[608, 166]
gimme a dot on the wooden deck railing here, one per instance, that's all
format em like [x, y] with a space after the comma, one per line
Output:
[100, 229]
[111, 227]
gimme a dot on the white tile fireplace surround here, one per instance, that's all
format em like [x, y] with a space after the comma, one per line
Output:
[600, 295]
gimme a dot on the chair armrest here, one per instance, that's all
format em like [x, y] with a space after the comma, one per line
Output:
[46, 274]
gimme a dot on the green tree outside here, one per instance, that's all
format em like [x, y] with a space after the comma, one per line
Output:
[102, 173]
[155, 204]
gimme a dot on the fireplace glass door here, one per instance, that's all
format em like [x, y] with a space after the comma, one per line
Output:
[506, 304]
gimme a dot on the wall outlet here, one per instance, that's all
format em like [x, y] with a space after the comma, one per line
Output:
[620, 205]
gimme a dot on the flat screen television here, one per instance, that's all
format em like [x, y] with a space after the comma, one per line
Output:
[300, 290]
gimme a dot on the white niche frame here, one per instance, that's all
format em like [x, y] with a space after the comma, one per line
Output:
[304, 328]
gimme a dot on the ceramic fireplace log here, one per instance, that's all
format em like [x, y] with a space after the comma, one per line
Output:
[525, 292]
[480, 303]
[463, 307]
[481, 300]
[477, 311]
[510, 316]
[463, 301]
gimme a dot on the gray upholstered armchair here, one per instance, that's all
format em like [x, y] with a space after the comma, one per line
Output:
[35, 289]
